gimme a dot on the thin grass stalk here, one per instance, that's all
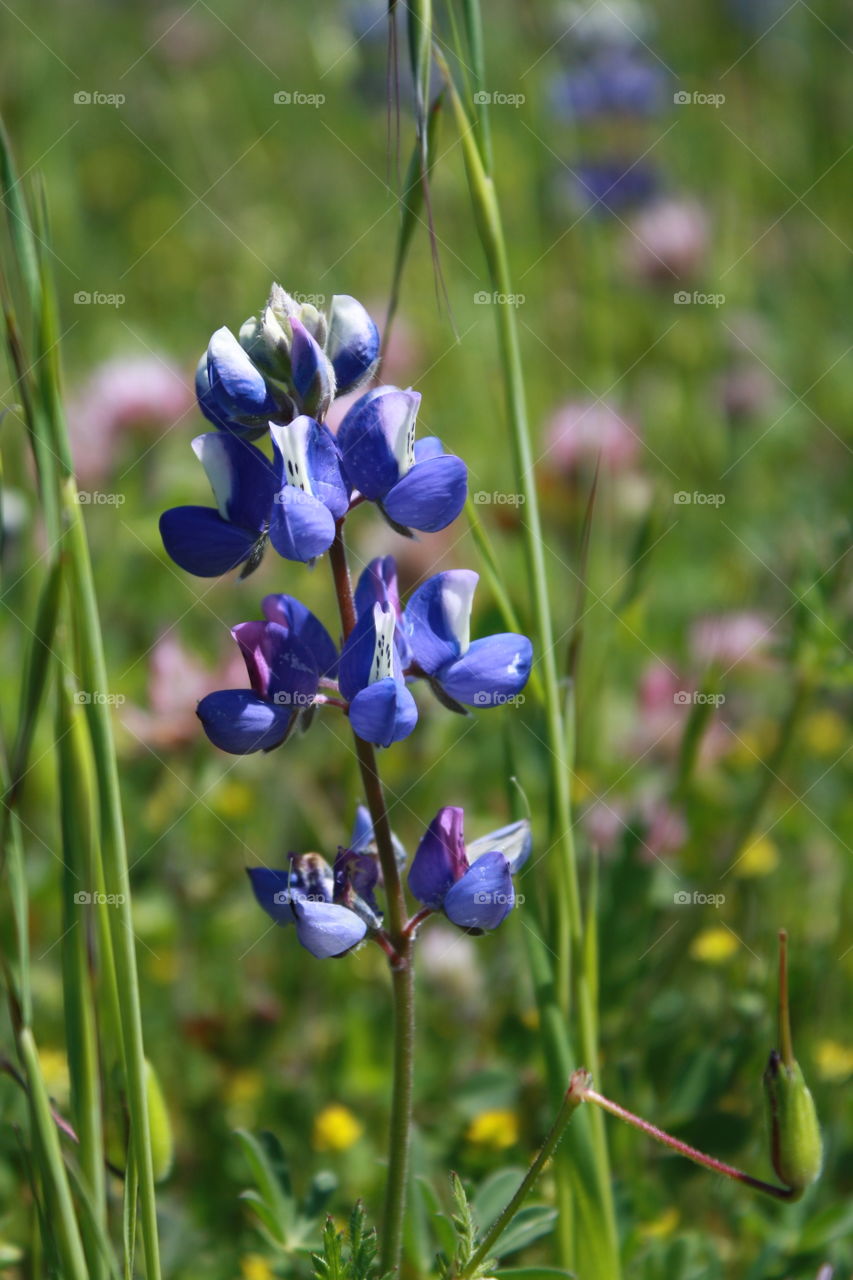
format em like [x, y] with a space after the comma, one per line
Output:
[64, 1226]
[78, 826]
[600, 1235]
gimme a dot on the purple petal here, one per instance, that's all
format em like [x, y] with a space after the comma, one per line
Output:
[326, 929]
[384, 712]
[240, 722]
[430, 496]
[490, 673]
[437, 618]
[440, 857]
[377, 584]
[272, 890]
[357, 656]
[280, 667]
[324, 462]
[302, 527]
[200, 541]
[484, 896]
[298, 619]
[369, 434]
[237, 389]
[310, 370]
[353, 342]
[243, 480]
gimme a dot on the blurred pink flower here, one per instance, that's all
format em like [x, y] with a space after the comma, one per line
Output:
[123, 392]
[604, 823]
[668, 240]
[582, 430]
[666, 828]
[746, 391]
[665, 701]
[730, 638]
[176, 683]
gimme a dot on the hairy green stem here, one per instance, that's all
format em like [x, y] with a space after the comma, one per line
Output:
[573, 1098]
[402, 969]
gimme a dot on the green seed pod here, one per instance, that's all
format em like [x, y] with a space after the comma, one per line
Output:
[162, 1146]
[796, 1149]
[795, 1143]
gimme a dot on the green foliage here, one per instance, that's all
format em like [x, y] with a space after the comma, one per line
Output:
[349, 1255]
[288, 1224]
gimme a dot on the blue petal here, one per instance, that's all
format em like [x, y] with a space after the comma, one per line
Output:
[243, 480]
[440, 859]
[353, 342]
[282, 670]
[384, 712]
[430, 496]
[311, 372]
[200, 541]
[272, 890]
[437, 617]
[491, 672]
[367, 435]
[357, 656]
[209, 408]
[377, 584]
[302, 527]
[429, 447]
[362, 831]
[238, 721]
[484, 896]
[325, 929]
[324, 464]
[298, 619]
[237, 388]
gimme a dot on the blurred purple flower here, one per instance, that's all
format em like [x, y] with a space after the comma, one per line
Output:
[585, 430]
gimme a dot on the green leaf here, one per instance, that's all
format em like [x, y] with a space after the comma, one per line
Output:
[529, 1224]
[493, 1193]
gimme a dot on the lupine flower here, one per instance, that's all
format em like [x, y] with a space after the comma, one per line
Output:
[611, 185]
[232, 392]
[614, 81]
[209, 542]
[472, 886]
[363, 839]
[382, 710]
[436, 623]
[284, 663]
[304, 895]
[314, 494]
[377, 584]
[416, 485]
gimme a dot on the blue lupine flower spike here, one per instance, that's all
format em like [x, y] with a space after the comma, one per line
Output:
[472, 886]
[415, 485]
[482, 673]
[304, 896]
[244, 482]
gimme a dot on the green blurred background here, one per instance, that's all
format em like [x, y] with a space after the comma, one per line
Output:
[173, 209]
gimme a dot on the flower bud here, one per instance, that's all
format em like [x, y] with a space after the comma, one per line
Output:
[796, 1149]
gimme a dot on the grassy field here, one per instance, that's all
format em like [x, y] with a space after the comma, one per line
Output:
[680, 251]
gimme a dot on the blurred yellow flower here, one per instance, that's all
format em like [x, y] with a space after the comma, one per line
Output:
[243, 1086]
[759, 858]
[163, 966]
[497, 1129]
[255, 1267]
[54, 1070]
[234, 799]
[662, 1226]
[336, 1128]
[824, 733]
[714, 946]
[581, 787]
[833, 1061]
[530, 1019]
